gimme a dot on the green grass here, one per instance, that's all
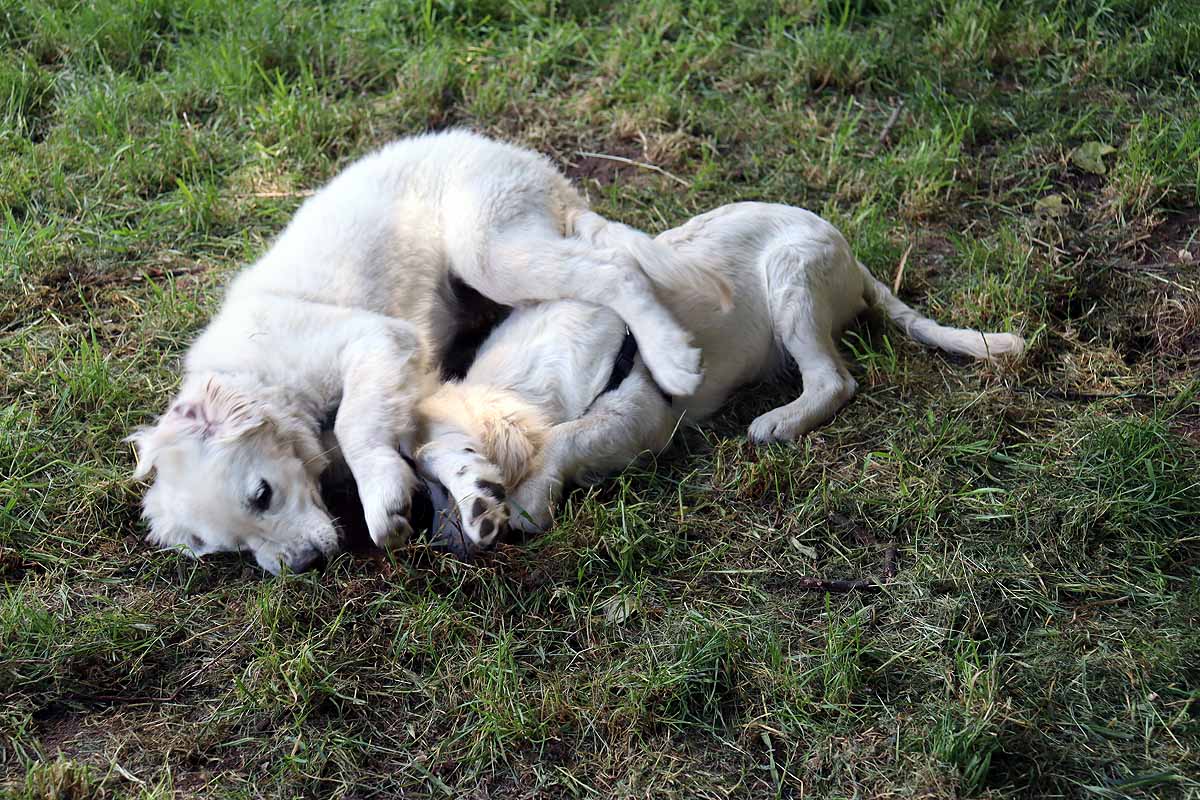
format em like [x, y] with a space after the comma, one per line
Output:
[1041, 636]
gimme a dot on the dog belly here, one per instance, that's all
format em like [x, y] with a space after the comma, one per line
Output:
[557, 356]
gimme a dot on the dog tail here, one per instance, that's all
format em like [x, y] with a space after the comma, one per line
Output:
[964, 341]
[657, 260]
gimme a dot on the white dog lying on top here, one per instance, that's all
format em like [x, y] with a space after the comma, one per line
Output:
[555, 394]
[345, 317]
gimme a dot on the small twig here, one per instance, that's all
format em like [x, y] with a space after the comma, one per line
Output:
[129, 700]
[1172, 266]
[220, 654]
[1086, 607]
[842, 585]
[1071, 396]
[900, 269]
[887, 127]
[891, 122]
[129, 776]
[891, 562]
[632, 163]
[1147, 270]
[147, 274]
[298, 193]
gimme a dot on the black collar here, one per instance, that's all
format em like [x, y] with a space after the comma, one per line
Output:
[623, 365]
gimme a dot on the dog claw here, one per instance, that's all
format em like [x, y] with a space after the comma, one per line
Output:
[478, 509]
[395, 535]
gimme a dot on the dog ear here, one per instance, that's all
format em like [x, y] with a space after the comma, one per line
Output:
[163, 533]
[144, 451]
[212, 412]
[172, 537]
[218, 412]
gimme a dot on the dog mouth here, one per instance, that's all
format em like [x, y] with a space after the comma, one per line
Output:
[341, 500]
[445, 530]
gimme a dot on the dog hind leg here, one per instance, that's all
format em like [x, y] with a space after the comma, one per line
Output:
[532, 262]
[803, 315]
[621, 425]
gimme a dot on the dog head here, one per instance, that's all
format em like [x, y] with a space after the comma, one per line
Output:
[236, 470]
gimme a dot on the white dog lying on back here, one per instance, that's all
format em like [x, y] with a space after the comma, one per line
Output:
[344, 320]
[539, 400]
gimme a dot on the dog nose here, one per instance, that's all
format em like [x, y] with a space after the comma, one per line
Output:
[311, 558]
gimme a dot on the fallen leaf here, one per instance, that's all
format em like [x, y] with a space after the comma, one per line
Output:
[1052, 205]
[1089, 157]
[619, 608]
[803, 549]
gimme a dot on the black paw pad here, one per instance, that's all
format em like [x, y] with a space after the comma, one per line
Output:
[492, 488]
[485, 528]
[478, 508]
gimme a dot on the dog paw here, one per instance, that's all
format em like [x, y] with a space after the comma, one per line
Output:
[776, 426]
[484, 512]
[531, 508]
[390, 528]
[387, 516]
[386, 496]
[674, 363]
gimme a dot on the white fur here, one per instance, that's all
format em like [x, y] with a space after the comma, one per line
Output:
[344, 311]
[796, 285]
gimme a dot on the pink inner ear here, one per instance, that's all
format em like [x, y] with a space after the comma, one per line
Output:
[194, 414]
[187, 410]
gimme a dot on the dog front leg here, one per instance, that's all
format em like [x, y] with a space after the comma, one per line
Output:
[384, 376]
[456, 460]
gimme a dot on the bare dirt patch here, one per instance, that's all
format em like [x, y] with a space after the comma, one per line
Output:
[1189, 428]
[1174, 242]
[600, 171]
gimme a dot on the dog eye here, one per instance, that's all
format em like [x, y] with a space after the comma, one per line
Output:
[261, 499]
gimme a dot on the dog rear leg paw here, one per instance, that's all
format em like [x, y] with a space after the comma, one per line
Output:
[532, 507]
[484, 512]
